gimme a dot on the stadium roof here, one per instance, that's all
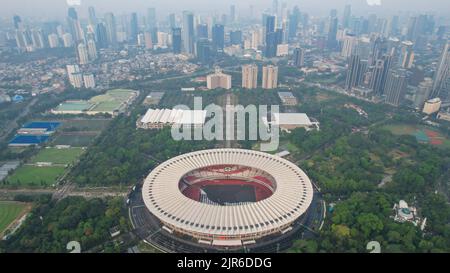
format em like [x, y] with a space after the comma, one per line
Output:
[292, 196]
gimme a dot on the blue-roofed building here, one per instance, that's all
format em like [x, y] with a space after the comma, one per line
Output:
[17, 98]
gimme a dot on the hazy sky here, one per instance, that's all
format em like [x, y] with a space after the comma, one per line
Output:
[58, 8]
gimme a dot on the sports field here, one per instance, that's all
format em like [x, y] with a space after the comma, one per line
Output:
[57, 156]
[74, 140]
[422, 133]
[34, 176]
[9, 211]
[74, 106]
[111, 100]
[84, 124]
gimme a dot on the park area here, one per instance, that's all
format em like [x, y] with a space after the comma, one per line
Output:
[10, 212]
[422, 133]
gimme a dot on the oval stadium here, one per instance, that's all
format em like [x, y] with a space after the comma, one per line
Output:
[223, 199]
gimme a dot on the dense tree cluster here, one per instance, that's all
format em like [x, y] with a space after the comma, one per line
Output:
[52, 225]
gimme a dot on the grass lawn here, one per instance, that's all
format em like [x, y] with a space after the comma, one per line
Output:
[9, 211]
[34, 176]
[57, 156]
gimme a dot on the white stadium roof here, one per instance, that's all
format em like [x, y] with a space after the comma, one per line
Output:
[292, 196]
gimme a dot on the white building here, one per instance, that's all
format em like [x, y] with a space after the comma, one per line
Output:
[89, 80]
[160, 118]
[270, 77]
[75, 76]
[218, 80]
[67, 40]
[282, 50]
[83, 56]
[92, 50]
[290, 121]
[250, 76]
[53, 40]
[432, 106]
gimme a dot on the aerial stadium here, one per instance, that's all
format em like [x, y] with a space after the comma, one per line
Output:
[224, 198]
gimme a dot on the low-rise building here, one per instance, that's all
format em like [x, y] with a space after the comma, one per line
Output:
[287, 98]
[432, 106]
[160, 118]
[290, 121]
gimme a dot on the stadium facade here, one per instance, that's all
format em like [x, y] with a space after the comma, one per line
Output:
[227, 197]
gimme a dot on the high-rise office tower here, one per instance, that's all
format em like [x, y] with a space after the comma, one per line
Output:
[232, 13]
[152, 25]
[134, 28]
[74, 25]
[92, 49]
[17, 22]
[172, 21]
[203, 51]
[92, 17]
[349, 46]
[101, 35]
[202, 31]
[250, 76]
[111, 29]
[83, 56]
[352, 72]
[332, 33]
[395, 87]
[347, 16]
[236, 37]
[423, 92]
[270, 23]
[406, 57]
[299, 57]
[270, 77]
[176, 40]
[294, 19]
[441, 80]
[218, 37]
[188, 32]
[379, 74]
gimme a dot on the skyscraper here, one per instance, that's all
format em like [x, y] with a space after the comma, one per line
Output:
[395, 87]
[250, 76]
[299, 57]
[83, 57]
[92, 50]
[152, 25]
[441, 80]
[202, 31]
[236, 37]
[92, 16]
[352, 72]
[332, 33]
[232, 13]
[203, 51]
[270, 77]
[423, 92]
[74, 25]
[188, 32]
[176, 40]
[218, 37]
[293, 22]
[101, 35]
[347, 16]
[111, 29]
[134, 29]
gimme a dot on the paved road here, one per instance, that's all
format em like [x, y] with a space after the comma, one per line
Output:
[13, 124]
